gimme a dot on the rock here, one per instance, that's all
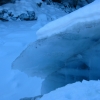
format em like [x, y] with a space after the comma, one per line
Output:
[31, 15]
[24, 16]
[6, 1]
[5, 15]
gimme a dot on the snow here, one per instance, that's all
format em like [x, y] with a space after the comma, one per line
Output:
[14, 37]
[64, 24]
[76, 91]
[20, 10]
[67, 47]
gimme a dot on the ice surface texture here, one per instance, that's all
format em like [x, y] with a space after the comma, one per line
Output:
[67, 50]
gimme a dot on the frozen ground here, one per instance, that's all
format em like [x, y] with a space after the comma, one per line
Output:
[14, 37]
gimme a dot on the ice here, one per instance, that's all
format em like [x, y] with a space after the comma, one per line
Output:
[54, 51]
[52, 55]
[66, 48]
[48, 55]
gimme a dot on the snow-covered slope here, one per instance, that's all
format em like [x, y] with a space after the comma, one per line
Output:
[68, 47]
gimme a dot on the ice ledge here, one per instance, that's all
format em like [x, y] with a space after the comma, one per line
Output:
[80, 19]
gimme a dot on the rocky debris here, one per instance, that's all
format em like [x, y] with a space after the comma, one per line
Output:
[5, 15]
[68, 6]
[70, 3]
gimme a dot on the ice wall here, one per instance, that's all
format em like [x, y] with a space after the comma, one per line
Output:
[47, 55]
[62, 57]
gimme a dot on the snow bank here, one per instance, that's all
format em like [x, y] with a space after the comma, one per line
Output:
[14, 38]
[77, 91]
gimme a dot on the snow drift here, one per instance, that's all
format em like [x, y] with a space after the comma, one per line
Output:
[67, 50]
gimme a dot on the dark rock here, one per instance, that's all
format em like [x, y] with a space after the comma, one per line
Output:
[39, 4]
[4, 11]
[10, 14]
[1, 15]
[3, 19]
[59, 1]
[24, 16]
[5, 15]
[31, 15]
[6, 1]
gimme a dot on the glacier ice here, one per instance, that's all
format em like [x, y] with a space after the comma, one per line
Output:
[66, 50]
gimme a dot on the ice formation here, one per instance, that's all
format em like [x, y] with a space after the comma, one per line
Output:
[67, 50]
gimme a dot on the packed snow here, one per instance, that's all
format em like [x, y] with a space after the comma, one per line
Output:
[14, 37]
[68, 47]
[76, 91]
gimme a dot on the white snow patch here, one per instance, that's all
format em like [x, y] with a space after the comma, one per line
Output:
[87, 90]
